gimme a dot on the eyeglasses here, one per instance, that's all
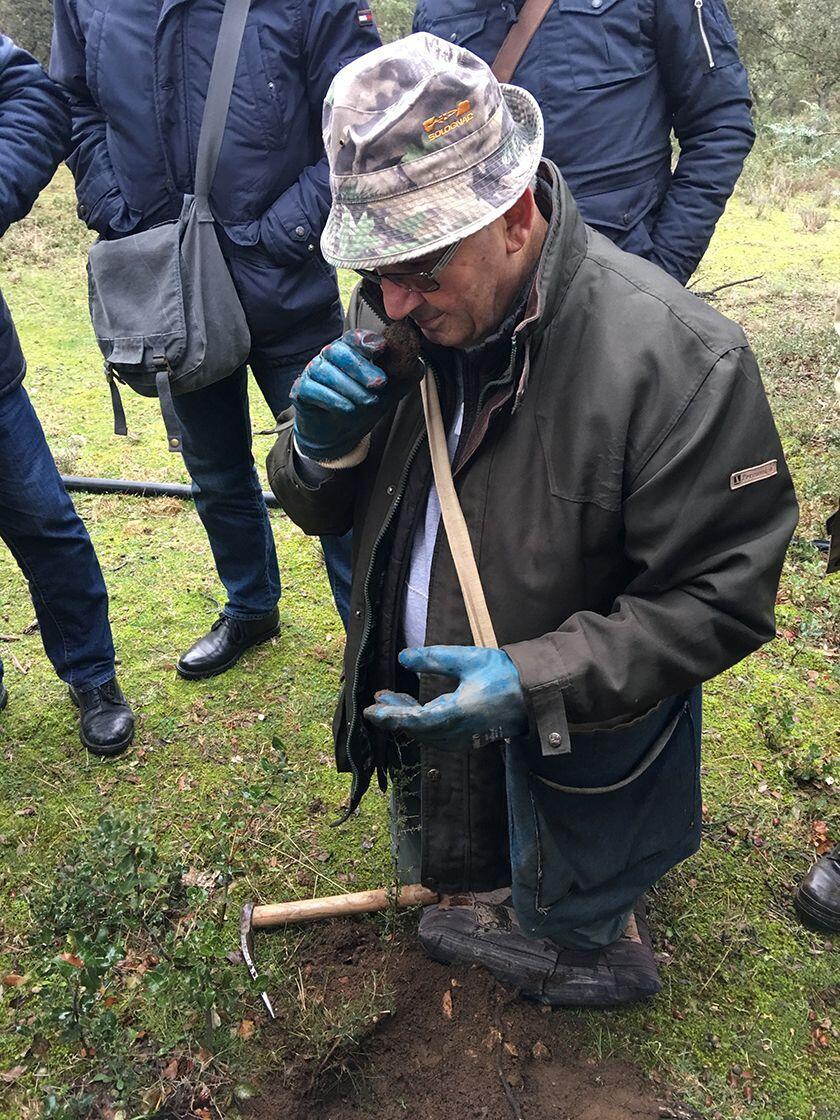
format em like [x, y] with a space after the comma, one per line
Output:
[417, 280]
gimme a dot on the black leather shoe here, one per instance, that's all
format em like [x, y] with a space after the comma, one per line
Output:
[106, 723]
[224, 644]
[817, 897]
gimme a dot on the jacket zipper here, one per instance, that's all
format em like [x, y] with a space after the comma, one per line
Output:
[368, 605]
[698, 4]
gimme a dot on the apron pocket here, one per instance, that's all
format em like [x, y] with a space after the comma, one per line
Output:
[595, 828]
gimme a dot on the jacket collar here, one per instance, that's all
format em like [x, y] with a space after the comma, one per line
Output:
[563, 250]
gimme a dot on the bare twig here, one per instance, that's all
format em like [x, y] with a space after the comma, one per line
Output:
[710, 294]
[511, 1097]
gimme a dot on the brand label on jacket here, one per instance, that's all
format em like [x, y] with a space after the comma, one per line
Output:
[753, 474]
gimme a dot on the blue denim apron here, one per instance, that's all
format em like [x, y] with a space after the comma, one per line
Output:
[592, 830]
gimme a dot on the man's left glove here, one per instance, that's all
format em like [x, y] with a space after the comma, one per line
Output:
[488, 703]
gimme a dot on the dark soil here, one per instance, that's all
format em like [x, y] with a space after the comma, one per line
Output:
[496, 1058]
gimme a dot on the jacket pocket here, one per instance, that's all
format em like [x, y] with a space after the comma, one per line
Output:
[460, 29]
[604, 41]
[268, 85]
[93, 41]
[719, 42]
[620, 215]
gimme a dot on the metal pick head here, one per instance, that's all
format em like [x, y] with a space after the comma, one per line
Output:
[246, 947]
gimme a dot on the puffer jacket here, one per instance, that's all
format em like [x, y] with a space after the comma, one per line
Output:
[136, 73]
[628, 504]
[34, 134]
[613, 78]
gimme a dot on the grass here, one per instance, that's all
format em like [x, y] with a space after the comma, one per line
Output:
[230, 791]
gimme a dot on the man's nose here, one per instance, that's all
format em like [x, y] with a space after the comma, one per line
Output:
[399, 301]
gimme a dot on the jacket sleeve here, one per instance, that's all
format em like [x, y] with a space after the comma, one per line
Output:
[325, 509]
[333, 35]
[709, 98]
[707, 553]
[34, 132]
[101, 204]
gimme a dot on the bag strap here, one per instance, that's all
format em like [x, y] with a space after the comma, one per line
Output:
[516, 42]
[219, 93]
[457, 533]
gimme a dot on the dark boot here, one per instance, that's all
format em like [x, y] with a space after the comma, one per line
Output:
[106, 722]
[469, 930]
[226, 641]
[817, 897]
[4, 697]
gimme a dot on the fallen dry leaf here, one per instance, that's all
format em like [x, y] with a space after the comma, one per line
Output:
[170, 1070]
[540, 1051]
[204, 879]
[492, 1038]
[511, 1049]
[13, 1075]
[819, 837]
[71, 958]
[446, 1003]
[13, 980]
[246, 1029]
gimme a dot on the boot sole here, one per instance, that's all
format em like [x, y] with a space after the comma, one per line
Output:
[203, 675]
[97, 748]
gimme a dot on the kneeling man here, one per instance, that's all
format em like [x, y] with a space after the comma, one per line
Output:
[627, 502]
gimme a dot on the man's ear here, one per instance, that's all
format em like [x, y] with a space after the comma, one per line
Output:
[519, 221]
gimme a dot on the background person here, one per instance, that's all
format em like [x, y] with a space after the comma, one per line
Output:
[37, 518]
[136, 76]
[614, 78]
[627, 501]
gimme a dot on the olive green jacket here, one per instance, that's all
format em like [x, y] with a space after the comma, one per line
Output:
[626, 550]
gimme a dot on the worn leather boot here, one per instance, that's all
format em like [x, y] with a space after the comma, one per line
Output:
[817, 897]
[475, 929]
[4, 697]
[223, 645]
[106, 722]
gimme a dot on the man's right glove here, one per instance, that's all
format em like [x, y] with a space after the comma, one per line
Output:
[341, 396]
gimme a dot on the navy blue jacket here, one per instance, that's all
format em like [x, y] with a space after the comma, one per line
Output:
[137, 72]
[613, 78]
[34, 133]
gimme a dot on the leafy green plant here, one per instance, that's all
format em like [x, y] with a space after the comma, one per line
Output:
[111, 881]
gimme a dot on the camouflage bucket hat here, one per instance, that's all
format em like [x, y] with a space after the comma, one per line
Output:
[425, 147]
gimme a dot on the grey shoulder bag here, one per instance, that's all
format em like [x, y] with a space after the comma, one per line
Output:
[164, 308]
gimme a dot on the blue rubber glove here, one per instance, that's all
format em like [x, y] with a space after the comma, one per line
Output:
[487, 705]
[341, 396]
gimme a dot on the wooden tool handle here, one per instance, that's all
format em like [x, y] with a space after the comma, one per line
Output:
[339, 905]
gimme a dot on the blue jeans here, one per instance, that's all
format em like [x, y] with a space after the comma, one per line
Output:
[53, 550]
[216, 442]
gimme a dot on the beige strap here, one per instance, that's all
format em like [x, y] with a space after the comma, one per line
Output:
[453, 520]
[517, 39]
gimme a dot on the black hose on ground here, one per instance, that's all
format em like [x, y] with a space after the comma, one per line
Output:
[140, 489]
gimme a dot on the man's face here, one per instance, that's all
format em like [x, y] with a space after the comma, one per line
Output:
[474, 291]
